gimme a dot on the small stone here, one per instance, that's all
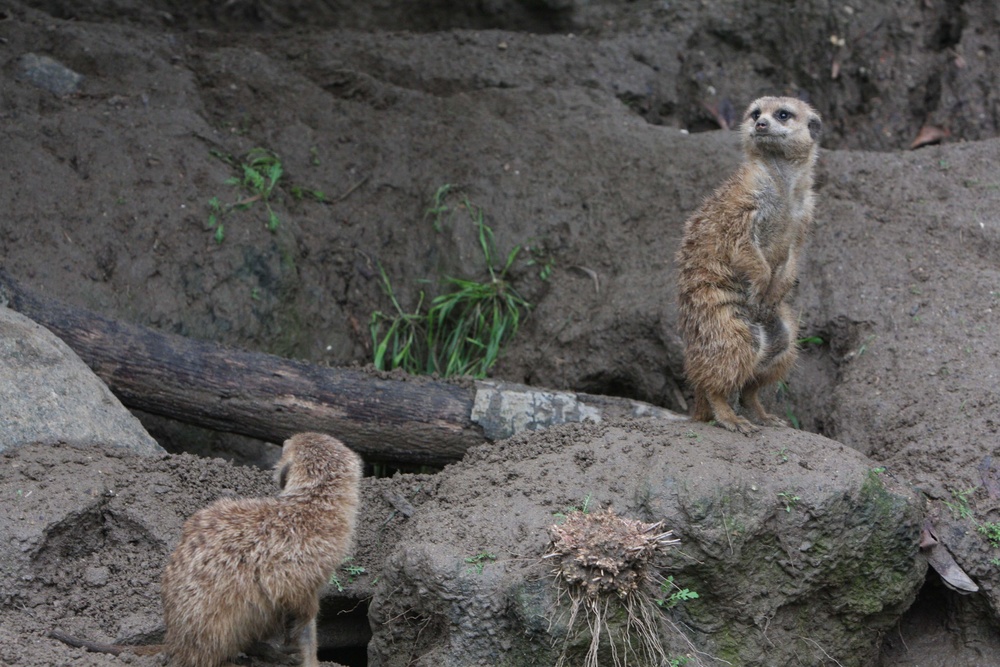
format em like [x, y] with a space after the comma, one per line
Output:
[48, 74]
[96, 576]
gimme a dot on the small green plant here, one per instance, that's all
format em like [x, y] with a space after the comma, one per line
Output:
[995, 562]
[215, 213]
[354, 571]
[865, 344]
[992, 533]
[439, 207]
[301, 193]
[782, 454]
[810, 340]
[673, 594]
[584, 508]
[539, 257]
[960, 508]
[692, 434]
[351, 570]
[463, 329]
[261, 171]
[789, 500]
[260, 174]
[479, 561]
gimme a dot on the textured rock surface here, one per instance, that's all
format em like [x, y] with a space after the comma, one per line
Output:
[48, 395]
[797, 547]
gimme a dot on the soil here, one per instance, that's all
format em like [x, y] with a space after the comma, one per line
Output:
[581, 130]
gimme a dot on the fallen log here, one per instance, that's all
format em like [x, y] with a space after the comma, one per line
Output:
[412, 420]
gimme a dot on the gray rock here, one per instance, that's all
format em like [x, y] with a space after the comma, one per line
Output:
[799, 549]
[48, 395]
[48, 74]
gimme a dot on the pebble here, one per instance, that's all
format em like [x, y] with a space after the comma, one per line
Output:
[48, 74]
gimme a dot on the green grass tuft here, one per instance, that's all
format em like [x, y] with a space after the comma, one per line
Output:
[464, 329]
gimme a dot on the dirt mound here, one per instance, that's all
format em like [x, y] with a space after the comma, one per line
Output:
[784, 536]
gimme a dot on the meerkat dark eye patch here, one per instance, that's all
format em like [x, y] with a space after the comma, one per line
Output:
[755, 114]
[784, 114]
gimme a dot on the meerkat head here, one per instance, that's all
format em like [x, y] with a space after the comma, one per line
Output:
[313, 459]
[781, 126]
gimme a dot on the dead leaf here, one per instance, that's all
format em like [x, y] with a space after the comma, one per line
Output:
[929, 134]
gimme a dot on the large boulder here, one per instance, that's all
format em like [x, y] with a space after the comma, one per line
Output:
[799, 549]
[48, 395]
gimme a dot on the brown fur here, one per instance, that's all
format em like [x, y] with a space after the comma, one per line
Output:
[245, 567]
[738, 261]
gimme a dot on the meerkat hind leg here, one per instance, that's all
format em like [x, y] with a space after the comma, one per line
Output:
[702, 408]
[308, 647]
[775, 341]
[726, 417]
[751, 401]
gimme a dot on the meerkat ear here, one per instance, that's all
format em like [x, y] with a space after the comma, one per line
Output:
[815, 127]
[283, 476]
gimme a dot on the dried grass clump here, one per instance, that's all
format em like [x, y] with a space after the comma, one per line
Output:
[600, 560]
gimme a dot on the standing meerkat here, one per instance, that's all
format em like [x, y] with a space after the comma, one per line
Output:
[246, 569]
[738, 261]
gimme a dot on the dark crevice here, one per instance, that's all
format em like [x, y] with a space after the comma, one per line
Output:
[343, 631]
[610, 384]
[948, 33]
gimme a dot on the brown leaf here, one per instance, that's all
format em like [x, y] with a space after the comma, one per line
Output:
[929, 134]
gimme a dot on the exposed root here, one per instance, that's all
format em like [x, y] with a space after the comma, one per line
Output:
[602, 565]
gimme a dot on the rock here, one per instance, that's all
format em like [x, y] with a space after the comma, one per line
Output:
[797, 547]
[48, 395]
[48, 74]
[96, 576]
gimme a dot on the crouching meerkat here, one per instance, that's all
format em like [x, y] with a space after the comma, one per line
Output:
[247, 569]
[738, 261]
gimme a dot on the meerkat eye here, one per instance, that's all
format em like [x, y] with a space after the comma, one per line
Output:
[783, 114]
[755, 114]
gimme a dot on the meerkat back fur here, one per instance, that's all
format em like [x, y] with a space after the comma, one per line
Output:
[247, 569]
[738, 261]
[244, 566]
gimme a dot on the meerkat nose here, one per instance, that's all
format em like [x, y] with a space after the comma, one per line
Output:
[762, 124]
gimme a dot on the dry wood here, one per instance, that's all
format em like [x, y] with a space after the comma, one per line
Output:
[407, 420]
